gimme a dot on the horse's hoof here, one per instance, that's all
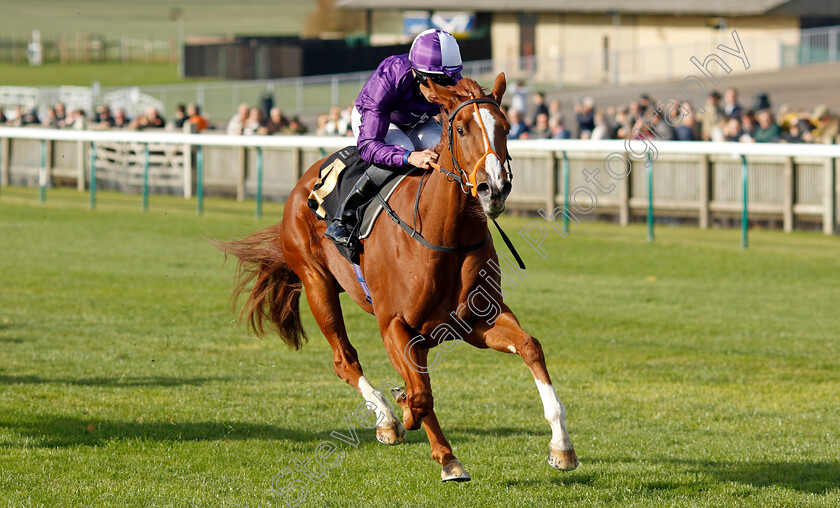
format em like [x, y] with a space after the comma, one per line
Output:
[564, 460]
[391, 434]
[454, 471]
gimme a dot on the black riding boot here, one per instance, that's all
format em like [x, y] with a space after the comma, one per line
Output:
[341, 228]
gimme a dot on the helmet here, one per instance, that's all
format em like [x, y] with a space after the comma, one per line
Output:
[435, 52]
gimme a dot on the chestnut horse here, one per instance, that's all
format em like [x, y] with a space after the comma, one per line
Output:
[413, 289]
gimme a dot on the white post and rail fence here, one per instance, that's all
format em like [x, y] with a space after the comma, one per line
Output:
[783, 185]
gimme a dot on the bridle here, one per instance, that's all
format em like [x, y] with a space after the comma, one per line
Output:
[464, 179]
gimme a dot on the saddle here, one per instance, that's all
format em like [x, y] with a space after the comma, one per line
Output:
[336, 178]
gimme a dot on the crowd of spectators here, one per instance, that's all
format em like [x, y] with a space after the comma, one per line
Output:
[250, 120]
[721, 119]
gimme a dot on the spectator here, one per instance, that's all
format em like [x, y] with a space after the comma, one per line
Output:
[76, 119]
[180, 116]
[604, 129]
[558, 128]
[689, 126]
[49, 121]
[660, 127]
[3, 118]
[711, 120]
[103, 118]
[30, 117]
[768, 130]
[539, 107]
[826, 126]
[793, 134]
[635, 112]
[321, 125]
[555, 111]
[585, 117]
[151, 119]
[194, 117]
[747, 125]
[761, 101]
[541, 129]
[121, 121]
[296, 127]
[337, 124]
[519, 97]
[645, 104]
[237, 122]
[732, 130]
[276, 121]
[687, 130]
[731, 108]
[623, 122]
[60, 114]
[517, 125]
[254, 123]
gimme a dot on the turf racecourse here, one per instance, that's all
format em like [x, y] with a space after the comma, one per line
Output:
[694, 373]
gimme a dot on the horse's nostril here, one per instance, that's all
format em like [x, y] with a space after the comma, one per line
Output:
[506, 187]
[483, 189]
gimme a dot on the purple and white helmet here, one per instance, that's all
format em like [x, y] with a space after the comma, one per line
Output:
[435, 52]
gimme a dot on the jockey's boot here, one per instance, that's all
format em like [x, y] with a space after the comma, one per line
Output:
[340, 229]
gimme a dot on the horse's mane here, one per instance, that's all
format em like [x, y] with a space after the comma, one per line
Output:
[463, 90]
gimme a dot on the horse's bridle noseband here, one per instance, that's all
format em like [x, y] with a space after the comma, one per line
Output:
[464, 179]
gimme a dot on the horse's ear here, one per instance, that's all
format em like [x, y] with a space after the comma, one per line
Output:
[437, 94]
[499, 88]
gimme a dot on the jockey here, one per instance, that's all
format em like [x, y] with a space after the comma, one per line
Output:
[393, 123]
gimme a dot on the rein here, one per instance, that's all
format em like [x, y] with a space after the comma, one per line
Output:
[464, 179]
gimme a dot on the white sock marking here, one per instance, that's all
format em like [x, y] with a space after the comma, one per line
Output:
[555, 413]
[375, 397]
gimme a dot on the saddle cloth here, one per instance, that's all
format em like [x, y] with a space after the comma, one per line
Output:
[337, 176]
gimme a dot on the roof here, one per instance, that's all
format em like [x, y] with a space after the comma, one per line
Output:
[678, 7]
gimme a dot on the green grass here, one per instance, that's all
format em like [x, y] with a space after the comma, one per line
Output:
[117, 18]
[81, 74]
[694, 373]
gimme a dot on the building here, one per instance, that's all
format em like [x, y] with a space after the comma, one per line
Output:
[622, 42]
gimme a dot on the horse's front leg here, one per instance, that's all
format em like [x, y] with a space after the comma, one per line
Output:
[507, 336]
[418, 402]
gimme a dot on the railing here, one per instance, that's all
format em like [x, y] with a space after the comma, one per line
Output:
[703, 181]
[817, 45]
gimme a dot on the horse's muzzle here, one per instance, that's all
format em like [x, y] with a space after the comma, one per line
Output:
[493, 197]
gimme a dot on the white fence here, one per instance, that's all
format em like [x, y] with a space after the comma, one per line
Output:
[702, 181]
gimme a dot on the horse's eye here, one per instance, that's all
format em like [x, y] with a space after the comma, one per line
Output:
[460, 131]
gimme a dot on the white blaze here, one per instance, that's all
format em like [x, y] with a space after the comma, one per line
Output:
[492, 165]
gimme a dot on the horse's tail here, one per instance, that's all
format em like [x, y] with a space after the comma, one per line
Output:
[275, 293]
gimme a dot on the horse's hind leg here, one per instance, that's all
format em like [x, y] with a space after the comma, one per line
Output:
[418, 405]
[507, 336]
[322, 295]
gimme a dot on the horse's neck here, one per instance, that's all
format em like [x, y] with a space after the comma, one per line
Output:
[454, 217]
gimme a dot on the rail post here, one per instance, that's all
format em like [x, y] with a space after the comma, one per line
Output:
[649, 167]
[199, 179]
[92, 176]
[258, 212]
[42, 173]
[744, 188]
[146, 177]
[566, 192]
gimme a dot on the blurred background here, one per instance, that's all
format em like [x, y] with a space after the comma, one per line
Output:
[595, 70]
